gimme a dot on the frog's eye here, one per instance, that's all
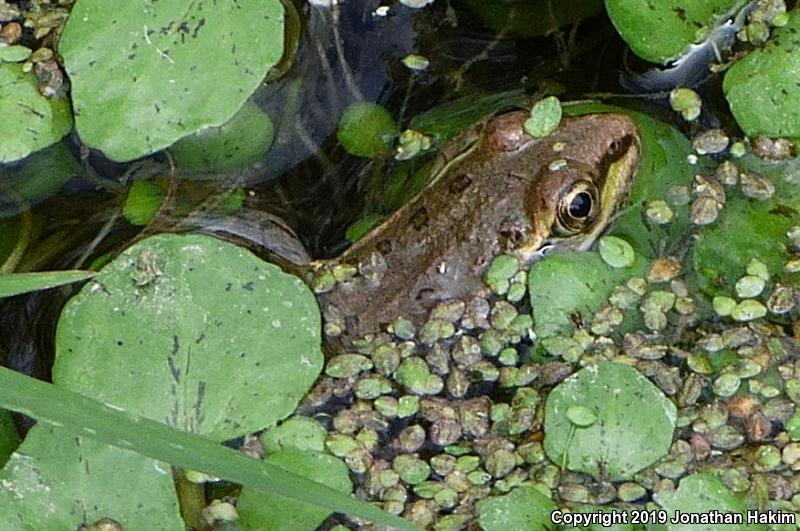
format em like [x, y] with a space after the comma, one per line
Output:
[577, 209]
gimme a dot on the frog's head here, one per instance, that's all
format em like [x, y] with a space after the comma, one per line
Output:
[592, 164]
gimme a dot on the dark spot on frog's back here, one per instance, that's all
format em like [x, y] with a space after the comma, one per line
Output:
[460, 183]
[419, 219]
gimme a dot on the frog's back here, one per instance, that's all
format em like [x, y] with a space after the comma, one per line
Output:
[437, 246]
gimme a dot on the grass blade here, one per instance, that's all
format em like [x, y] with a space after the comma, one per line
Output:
[111, 425]
[17, 283]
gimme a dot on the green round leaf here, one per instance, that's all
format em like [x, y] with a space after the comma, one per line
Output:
[59, 481]
[145, 74]
[143, 201]
[634, 426]
[235, 145]
[545, 117]
[30, 121]
[522, 508]
[581, 416]
[659, 31]
[303, 433]
[194, 332]
[762, 88]
[262, 510]
[704, 493]
[569, 282]
[14, 54]
[366, 129]
[616, 252]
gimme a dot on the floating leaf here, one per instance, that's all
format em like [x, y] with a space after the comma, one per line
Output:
[303, 433]
[703, 494]
[544, 119]
[581, 416]
[145, 74]
[762, 88]
[235, 145]
[659, 31]
[616, 252]
[30, 121]
[567, 283]
[193, 331]
[58, 481]
[143, 201]
[269, 511]
[14, 54]
[634, 425]
[522, 508]
[366, 129]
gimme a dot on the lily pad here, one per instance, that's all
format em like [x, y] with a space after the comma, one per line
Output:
[545, 117]
[659, 31]
[235, 145]
[143, 201]
[30, 121]
[58, 481]
[14, 54]
[762, 88]
[522, 508]
[270, 511]
[145, 74]
[572, 282]
[366, 129]
[303, 433]
[702, 494]
[195, 332]
[634, 425]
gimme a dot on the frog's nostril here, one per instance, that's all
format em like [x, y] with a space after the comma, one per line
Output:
[513, 231]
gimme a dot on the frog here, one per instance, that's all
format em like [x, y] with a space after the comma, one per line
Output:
[494, 190]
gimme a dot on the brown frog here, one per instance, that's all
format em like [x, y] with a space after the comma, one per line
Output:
[506, 193]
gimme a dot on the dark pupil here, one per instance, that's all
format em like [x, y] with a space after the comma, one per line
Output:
[581, 205]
